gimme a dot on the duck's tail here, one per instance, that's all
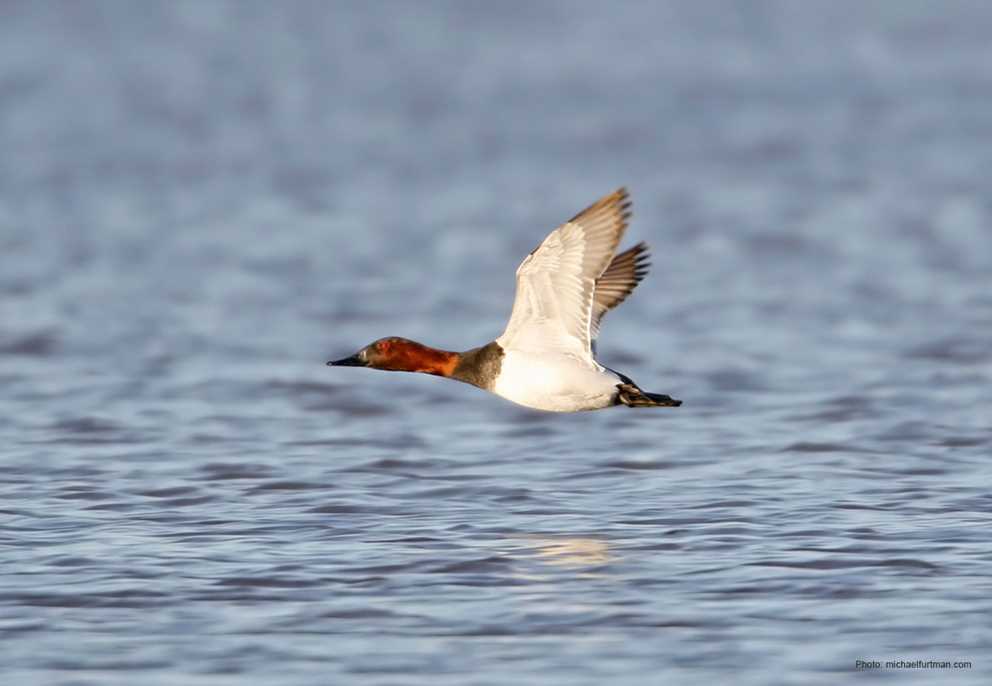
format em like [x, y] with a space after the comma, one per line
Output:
[632, 396]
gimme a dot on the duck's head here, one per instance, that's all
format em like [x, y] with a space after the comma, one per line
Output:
[397, 354]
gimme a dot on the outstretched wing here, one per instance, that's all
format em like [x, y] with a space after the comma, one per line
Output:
[617, 282]
[556, 283]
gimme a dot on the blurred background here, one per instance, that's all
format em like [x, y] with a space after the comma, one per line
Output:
[201, 202]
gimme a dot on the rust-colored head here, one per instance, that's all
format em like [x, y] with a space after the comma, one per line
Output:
[396, 354]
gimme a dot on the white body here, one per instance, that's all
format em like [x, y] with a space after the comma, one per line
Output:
[554, 382]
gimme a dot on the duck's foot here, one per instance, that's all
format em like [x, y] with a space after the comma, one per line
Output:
[632, 396]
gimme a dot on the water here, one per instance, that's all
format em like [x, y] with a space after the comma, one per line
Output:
[203, 202]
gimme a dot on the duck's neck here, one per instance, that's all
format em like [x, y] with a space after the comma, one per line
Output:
[478, 366]
[417, 357]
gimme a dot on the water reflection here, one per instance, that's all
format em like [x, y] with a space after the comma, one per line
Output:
[572, 552]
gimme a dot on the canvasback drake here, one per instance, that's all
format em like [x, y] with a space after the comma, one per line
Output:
[545, 358]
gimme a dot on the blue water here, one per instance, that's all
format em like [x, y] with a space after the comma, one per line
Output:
[201, 202]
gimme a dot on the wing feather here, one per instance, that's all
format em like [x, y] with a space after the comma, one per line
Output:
[556, 283]
[617, 282]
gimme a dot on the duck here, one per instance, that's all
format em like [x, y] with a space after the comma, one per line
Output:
[545, 359]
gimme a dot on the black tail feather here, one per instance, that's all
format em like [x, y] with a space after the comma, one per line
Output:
[632, 396]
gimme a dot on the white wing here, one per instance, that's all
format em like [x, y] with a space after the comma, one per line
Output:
[556, 283]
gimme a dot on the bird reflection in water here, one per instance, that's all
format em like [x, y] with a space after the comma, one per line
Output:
[572, 552]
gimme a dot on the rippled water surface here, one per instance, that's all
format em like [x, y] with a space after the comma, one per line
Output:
[200, 203]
